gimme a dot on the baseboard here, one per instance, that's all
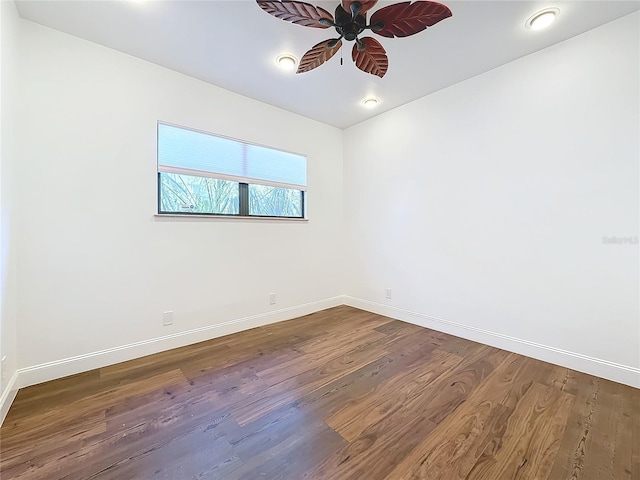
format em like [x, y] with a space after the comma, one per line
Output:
[25, 377]
[8, 396]
[82, 363]
[576, 361]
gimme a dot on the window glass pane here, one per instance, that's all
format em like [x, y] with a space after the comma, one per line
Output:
[190, 194]
[274, 201]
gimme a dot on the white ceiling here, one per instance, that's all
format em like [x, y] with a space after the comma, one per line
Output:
[233, 44]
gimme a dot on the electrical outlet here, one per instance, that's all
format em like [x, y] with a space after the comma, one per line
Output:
[272, 299]
[387, 293]
[167, 318]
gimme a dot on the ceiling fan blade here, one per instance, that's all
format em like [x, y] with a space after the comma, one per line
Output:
[406, 18]
[372, 59]
[300, 13]
[365, 4]
[319, 54]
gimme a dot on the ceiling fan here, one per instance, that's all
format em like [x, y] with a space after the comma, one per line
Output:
[350, 20]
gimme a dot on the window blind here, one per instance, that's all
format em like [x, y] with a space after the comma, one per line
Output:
[191, 152]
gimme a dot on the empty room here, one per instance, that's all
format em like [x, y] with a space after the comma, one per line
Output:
[330, 240]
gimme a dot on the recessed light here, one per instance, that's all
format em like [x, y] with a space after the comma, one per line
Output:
[371, 102]
[286, 61]
[542, 19]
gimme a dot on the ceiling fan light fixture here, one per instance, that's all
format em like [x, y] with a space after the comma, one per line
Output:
[350, 21]
[371, 102]
[542, 19]
[286, 61]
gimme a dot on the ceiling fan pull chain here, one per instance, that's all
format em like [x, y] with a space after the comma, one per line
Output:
[341, 55]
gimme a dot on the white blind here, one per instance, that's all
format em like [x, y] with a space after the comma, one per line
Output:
[190, 152]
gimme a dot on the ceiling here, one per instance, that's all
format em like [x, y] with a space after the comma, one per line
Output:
[233, 44]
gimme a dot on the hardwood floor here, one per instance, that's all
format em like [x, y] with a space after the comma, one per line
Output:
[340, 394]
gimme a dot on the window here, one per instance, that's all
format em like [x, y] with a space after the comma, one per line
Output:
[204, 174]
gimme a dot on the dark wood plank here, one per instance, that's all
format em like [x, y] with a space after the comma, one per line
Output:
[478, 423]
[341, 394]
[378, 448]
[390, 396]
[633, 404]
[532, 437]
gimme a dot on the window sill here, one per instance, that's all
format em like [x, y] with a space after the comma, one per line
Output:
[186, 216]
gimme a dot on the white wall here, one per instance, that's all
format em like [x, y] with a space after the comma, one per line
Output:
[97, 270]
[8, 245]
[483, 206]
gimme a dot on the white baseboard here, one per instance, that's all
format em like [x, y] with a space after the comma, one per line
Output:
[576, 361]
[25, 377]
[8, 396]
[82, 363]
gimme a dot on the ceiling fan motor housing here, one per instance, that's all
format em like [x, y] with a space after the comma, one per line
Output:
[350, 25]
